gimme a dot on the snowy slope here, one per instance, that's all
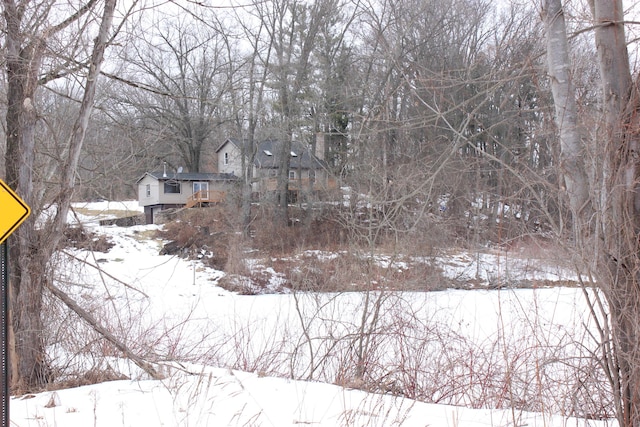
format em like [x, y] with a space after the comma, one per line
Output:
[170, 310]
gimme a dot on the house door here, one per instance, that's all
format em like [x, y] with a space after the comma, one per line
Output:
[200, 191]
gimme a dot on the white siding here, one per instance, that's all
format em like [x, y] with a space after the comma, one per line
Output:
[186, 190]
[158, 196]
[234, 161]
[154, 197]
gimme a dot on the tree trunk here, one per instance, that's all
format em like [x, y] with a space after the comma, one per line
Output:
[281, 213]
[612, 246]
[621, 204]
[576, 182]
[248, 157]
[621, 207]
[32, 247]
[23, 65]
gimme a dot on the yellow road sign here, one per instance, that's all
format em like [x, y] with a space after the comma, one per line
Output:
[12, 211]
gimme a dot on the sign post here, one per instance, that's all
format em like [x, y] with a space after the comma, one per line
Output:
[13, 211]
[4, 306]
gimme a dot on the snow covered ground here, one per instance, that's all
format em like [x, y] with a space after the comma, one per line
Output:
[228, 359]
[218, 397]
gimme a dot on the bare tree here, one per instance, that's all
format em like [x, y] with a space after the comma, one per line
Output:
[566, 113]
[605, 210]
[32, 35]
[177, 87]
[293, 28]
[248, 93]
[436, 74]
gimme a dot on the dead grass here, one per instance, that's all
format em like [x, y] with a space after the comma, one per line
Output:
[80, 238]
[95, 375]
[117, 213]
[318, 230]
[313, 253]
[145, 235]
[198, 230]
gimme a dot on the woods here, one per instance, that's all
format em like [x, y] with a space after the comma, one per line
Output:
[456, 123]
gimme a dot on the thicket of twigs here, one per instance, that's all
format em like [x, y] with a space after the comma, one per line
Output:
[352, 322]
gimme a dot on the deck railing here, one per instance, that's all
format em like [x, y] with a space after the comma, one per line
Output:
[205, 196]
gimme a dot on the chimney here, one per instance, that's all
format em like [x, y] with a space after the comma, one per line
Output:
[320, 146]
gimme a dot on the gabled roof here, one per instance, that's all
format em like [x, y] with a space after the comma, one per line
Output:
[269, 151]
[235, 141]
[190, 176]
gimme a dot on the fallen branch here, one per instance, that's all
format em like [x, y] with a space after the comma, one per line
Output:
[87, 317]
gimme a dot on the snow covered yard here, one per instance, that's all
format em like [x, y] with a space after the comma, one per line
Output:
[217, 397]
[487, 357]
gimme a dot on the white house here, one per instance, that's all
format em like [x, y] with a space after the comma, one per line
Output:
[161, 190]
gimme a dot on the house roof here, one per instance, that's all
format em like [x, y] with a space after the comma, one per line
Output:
[269, 151]
[235, 141]
[190, 176]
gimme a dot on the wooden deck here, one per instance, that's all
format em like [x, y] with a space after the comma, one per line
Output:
[205, 196]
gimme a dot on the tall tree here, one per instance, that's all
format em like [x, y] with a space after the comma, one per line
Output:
[431, 80]
[179, 70]
[330, 100]
[606, 211]
[293, 27]
[249, 84]
[32, 34]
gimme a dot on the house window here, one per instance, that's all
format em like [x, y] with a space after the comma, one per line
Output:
[147, 190]
[273, 173]
[312, 174]
[226, 158]
[172, 187]
[268, 153]
[292, 174]
[293, 154]
[201, 191]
